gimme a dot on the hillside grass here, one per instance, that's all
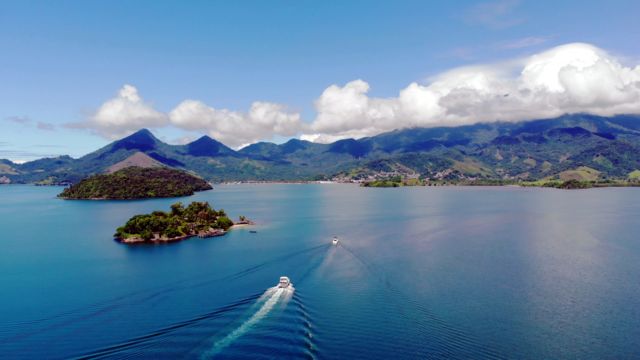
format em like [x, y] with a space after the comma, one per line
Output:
[8, 170]
[582, 173]
[471, 167]
[634, 175]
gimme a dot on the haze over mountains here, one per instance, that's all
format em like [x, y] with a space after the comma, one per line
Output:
[601, 147]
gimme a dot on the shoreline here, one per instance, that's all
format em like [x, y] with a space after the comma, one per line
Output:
[531, 184]
[324, 182]
[520, 185]
[497, 186]
[161, 240]
[131, 199]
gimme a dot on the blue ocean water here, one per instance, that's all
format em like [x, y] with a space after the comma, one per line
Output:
[450, 272]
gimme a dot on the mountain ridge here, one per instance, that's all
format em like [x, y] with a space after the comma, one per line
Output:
[530, 150]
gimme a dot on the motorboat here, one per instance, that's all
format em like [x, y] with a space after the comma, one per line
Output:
[335, 240]
[284, 282]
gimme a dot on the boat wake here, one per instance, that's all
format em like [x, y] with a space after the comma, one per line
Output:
[203, 334]
[268, 301]
[134, 345]
[113, 308]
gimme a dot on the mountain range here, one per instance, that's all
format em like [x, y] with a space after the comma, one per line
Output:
[581, 145]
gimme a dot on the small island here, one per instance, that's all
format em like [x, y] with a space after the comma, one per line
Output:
[394, 181]
[197, 219]
[136, 183]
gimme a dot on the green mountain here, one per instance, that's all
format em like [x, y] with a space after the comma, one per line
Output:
[136, 183]
[531, 150]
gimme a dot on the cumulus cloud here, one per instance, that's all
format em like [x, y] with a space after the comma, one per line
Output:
[128, 112]
[566, 79]
[235, 128]
[342, 112]
[123, 115]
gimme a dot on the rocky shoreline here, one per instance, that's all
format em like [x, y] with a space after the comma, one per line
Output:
[166, 240]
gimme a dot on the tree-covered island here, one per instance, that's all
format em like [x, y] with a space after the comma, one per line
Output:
[197, 219]
[136, 183]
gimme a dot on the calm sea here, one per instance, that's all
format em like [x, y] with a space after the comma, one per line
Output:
[420, 273]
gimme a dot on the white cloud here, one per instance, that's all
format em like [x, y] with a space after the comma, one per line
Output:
[565, 79]
[234, 128]
[522, 43]
[124, 114]
[341, 110]
[182, 140]
[128, 112]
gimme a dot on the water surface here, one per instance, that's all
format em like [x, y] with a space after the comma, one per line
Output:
[420, 273]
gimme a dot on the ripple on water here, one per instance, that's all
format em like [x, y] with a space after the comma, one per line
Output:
[258, 326]
[404, 328]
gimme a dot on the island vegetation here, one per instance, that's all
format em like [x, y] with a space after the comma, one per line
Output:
[574, 184]
[197, 219]
[136, 183]
[557, 183]
[394, 181]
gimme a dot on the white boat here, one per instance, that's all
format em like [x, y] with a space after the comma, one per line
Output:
[335, 240]
[284, 282]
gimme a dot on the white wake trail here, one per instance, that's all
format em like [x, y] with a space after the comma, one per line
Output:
[247, 325]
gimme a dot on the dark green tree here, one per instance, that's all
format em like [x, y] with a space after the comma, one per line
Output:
[224, 223]
[177, 209]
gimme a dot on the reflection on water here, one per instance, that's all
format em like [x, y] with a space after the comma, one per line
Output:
[418, 273]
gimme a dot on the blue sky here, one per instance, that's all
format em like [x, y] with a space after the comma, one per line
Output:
[61, 61]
